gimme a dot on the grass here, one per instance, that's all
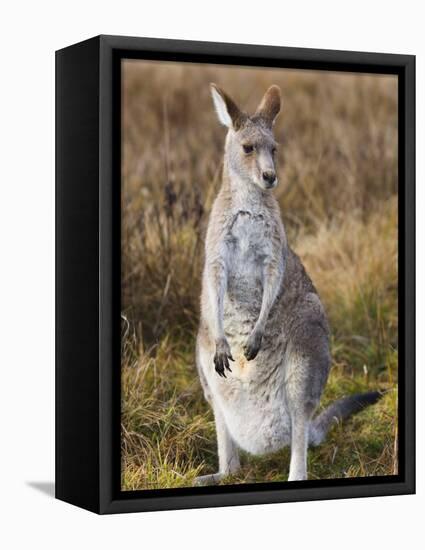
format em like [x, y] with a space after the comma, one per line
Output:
[338, 194]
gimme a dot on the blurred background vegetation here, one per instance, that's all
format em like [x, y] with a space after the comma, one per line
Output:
[338, 196]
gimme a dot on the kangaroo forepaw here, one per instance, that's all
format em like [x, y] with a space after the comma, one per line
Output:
[253, 345]
[222, 357]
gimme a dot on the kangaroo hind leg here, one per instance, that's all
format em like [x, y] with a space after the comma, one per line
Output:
[299, 443]
[306, 377]
[228, 454]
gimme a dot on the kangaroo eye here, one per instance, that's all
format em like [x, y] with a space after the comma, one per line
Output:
[274, 151]
[248, 149]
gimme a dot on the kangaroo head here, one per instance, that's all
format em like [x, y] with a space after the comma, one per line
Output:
[250, 145]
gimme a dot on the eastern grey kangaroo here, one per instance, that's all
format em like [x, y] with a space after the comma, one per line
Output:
[263, 342]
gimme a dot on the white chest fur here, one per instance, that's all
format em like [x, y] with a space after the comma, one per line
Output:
[249, 236]
[248, 245]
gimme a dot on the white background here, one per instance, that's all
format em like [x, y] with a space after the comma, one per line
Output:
[30, 33]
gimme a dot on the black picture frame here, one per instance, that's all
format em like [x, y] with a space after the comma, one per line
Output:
[88, 273]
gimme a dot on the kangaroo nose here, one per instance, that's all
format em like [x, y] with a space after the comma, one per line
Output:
[269, 177]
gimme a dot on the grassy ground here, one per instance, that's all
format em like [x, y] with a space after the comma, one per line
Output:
[338, 195]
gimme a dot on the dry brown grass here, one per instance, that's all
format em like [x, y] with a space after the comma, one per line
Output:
[338, 194]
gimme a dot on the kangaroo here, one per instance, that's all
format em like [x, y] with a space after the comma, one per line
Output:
[262, 348]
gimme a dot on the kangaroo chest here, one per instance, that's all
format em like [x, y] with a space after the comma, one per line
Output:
[248, 238]
[248, 243]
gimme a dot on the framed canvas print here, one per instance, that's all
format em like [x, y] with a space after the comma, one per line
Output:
[235, 274]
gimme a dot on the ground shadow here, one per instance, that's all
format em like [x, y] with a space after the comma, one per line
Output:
[46, 487]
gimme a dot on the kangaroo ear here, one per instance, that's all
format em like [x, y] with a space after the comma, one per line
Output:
[227, 111]
[269, 107]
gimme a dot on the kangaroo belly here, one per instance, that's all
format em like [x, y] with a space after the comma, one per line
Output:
[257, 419]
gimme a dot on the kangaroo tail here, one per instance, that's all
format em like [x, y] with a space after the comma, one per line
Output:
[337, 411]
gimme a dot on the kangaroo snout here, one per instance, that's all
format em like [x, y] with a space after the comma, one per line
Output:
[269, 178]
